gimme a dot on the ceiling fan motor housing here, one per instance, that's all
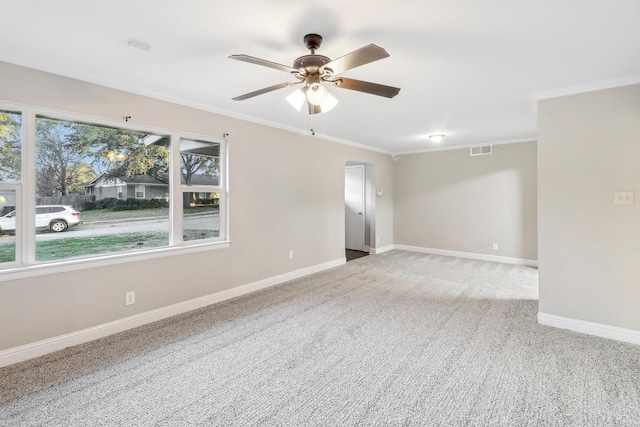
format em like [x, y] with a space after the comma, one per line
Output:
[310, 63]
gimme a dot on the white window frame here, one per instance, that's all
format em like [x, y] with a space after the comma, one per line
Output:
[25, 264]
[143, 192]
[221, 188]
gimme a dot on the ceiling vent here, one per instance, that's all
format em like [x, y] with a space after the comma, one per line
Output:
[480, 151]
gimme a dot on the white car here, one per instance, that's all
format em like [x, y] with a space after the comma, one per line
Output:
[50, 217]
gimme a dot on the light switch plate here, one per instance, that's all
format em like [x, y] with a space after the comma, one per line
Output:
[623, 198]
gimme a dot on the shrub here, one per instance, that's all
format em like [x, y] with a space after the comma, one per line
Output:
[152, 203]
[106, 203]
[89, 205]
[130, 204]
[207, 201]
[126, 205]
[159, 203]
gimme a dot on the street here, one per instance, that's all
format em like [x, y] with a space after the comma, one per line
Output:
[208, 222]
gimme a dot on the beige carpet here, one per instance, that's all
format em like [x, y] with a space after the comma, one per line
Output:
[392, 339]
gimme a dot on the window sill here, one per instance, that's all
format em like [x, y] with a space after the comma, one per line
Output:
[64, 266]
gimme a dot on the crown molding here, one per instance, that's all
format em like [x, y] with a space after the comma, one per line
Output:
[627, 80]
[458, 147]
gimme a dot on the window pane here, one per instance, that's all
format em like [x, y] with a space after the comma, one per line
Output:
[10, 146]
[7, 225]
[88, 181]
[199, 162]
[201, 216]
[139, 191]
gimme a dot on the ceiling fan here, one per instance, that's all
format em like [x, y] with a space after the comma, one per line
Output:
[316, 70]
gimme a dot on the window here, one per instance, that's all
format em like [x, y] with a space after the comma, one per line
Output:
[200, 186]
[139, 192]
[71, 156]
[98, 189]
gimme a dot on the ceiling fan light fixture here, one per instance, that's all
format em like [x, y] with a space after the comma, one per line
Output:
[328, 103]
[297, 99]
[317, 93]
[436, 138]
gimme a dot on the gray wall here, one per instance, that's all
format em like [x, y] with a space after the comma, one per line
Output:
[276, 205]
[449, 200]
[589, 248]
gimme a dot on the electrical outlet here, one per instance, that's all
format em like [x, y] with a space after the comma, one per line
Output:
[495, 246]
[623, 198]
[290, 254]
[130, 298]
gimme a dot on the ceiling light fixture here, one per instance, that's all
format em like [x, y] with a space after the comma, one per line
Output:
[297, 99]
[328, 103]
[315, 94]
[436, 138]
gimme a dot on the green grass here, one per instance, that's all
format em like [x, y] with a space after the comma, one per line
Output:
[7, 253]
[81, 246]
[199, 234]
[108, 215]
[49, 250]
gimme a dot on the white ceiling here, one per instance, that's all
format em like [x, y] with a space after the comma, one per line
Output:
[467, 68]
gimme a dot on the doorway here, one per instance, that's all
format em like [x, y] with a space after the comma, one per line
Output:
[359, 210]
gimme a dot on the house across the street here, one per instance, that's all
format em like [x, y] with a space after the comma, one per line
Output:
[139, 186]
[127, 187]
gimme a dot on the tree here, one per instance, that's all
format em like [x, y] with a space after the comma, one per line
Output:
[62, 164]
[123, 153]
[10, 146]
[191, 164]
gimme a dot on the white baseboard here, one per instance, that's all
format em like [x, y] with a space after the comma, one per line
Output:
[40, 348]
[591, 328]
[469, 255]
[376, 251]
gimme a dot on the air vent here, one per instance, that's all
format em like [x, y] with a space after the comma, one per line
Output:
[480, 151]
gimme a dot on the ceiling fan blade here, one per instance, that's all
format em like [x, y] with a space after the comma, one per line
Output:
[368, 87]
[364, 55]
[265, 90]
[264, 63]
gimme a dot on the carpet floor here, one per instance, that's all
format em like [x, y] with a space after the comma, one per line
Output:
[393, 339]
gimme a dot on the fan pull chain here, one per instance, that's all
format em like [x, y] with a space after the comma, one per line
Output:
[313, 117]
